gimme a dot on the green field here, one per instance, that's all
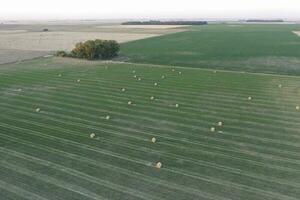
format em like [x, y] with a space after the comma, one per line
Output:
[254, 48]
[49, 155]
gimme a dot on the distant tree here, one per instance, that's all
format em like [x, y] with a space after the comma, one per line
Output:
[96, 49]
[45, 30]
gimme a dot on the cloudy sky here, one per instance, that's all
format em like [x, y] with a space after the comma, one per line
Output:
[116, 9]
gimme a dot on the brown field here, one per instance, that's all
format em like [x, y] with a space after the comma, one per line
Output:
[24, 41]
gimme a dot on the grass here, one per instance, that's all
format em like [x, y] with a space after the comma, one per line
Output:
[253, 48]
[49, 154]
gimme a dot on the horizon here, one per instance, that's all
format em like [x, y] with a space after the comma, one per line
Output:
[134, 9]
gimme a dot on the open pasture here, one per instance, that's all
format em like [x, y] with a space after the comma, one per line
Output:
[241, 47]
[205, 134]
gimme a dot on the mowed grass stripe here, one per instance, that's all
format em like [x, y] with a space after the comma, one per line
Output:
[246, 188]
[207, 125]
[268, 179]
[101, 164]
[95, 128]
[190, 153]
[248, 111]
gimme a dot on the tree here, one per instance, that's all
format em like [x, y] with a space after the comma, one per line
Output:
[96, 49]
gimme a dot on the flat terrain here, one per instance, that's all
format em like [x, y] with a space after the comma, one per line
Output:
[50, 107]
[24, 41]
[255, 48]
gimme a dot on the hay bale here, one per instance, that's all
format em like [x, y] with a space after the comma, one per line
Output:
[176, 105]
[212, 129]
[129, 102]
[37, 110]
[153, 140]
[249, 98]
[220, 123]
[162, 76]
[139, 79]
[158, 165]
[123, 89]
[280, 86]
[134, 76]
[179, 72]
[92, 135]
[59, 75]
[19, 90]
[107, 117]
[297, 107]
[78, 80]
[155, 84]
[173, 70]
[215, 71]
[133, 71]
[152, 98]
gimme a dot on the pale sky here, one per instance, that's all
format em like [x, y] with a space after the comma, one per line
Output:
[154, 9]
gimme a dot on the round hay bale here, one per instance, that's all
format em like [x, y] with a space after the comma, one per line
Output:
[179, 72]
[129, 102]
[92, 135]
[152, 98]
[158, 165]
[78, 80]
[123, 89]
[249, 98]
[162, 76]
[107, 117]
[139, 79]
[37, 110]
[134, 76]
[280, 86]
[220, 123]
[176, 105]
[19, 90]
[173, 70]
[153, 140]
[215, 71]
[212, 129]
[297, 107]
[59, 75]
[155, 84]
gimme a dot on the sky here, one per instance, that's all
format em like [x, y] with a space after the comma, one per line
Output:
[147, 9]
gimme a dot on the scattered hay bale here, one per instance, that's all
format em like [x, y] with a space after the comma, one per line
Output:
[176, 105]
[19, 90]
[158, 165]
[162, 76]
[92, 135]
[139, 79]
[212, 129]
[129, 102]
[297, 107]
[59, 75]
[220, 123]
[280, 86]
[134, 76]
[173, 70]
[249, 98]
[107, 117]
[155, 84]
[37, 110]
[153, 140]
[179, 72]
[123, 89]
[152, 98]
[215, 71]
[78, 80]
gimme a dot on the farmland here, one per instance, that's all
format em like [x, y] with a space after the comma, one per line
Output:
[24, 41]
[219, 135]
[254, 48]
